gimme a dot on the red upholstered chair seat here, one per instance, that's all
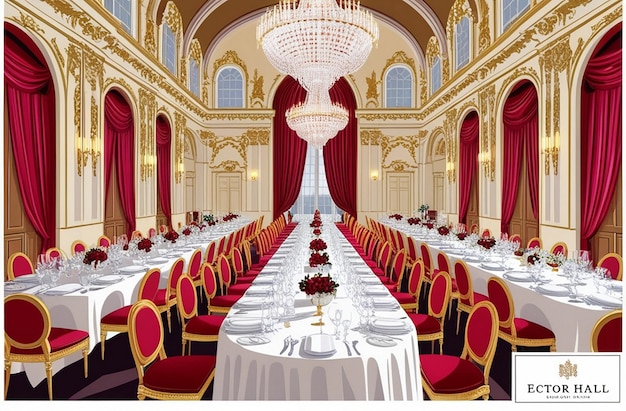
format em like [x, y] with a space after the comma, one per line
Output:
[425, 324]
[529, 329]
[117, 317]
[225, 300]
[159, 298]
[180, 374]
[478, 297]
[243, 279]
[205, 324]
[59, 338]
[449, 374]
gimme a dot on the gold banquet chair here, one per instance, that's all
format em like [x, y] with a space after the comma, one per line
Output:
[606, 335]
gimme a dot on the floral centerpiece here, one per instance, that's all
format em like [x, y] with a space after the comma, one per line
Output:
[321, 290]
[145, 244]
[461, 235]
[316, 259]
[317, 232]
[95, 255]
[208, 219]
[430, 225]
[443, 230]
[414, 220]
[316, 223]
[554, 260]
[519, 252]
[423, 209]
[396, 216]
[318, 245]
[187, 231]
[171, 236]
[486, 242]
[230, 216]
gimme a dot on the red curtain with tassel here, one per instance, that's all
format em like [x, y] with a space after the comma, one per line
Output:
[289, 149]
[119, 138]
[30, 98]
[521, 127]
[340, 153]
[601, 135]
[468, 159]
[164, 166]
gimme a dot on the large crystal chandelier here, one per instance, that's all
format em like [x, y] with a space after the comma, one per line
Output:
[317, 41]
[317, 120]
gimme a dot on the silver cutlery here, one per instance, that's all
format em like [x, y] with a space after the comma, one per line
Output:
[348, 348]
[286, 344]
[354, 343]
[293, 343]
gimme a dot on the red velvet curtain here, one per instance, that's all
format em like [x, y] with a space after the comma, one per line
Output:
[119, 148]
[30, 105]
[289, 149]
[601, 136]
[340, 153]
[164, 166]
[468, 159]
[521, 127]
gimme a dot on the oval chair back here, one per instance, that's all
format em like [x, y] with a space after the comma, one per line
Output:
[78, 246]
[613, 264]
[19, 264]
[398, 267]
[500, 296]
[193, 268]
[400, 240]
[210, 255]
[515, 238]
[416, 278]
[186, 300]
[426, 256]
[149, 285]
[443, 262]
[54, 252]
[237, 262]
[221, 245]
[384, 256]
[223, 268]
[559, 248]
[439, 295]
[486, 233]
[411, 249]
[606, 335]
[209, 282]
[481, 336]
[534, 242]
[104, 241]
[152, 232]
[146, 335]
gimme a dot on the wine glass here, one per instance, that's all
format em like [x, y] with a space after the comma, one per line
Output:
[335, 318]
[346, 323]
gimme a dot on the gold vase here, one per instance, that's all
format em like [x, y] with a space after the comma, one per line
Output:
[320, 300]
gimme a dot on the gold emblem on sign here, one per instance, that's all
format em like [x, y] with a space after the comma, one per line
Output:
[568, 370]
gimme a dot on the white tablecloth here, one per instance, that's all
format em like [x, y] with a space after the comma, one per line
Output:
[261, 372]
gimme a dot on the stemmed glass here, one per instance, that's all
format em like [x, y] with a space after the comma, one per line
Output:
[335, 317]
[346, 323]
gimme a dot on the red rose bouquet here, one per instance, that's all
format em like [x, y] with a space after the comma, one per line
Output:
[430, 225]
[316, 223]
[229, 217]
[443, 230]
[413, 220]
[145, 244]
[396, 216]
[187, 231]
[461, 236]
[318, 245]
[486, 242]
[318, 284]
[96, 255]
[171, 236]
[317, 259]
[317, 232]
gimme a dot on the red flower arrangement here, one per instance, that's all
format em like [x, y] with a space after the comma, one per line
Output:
[413, 220]
[486, 242]
[519, 252]
[396, 216]
[443, 230]
[461, 236]
[318, 259]
[317, 232]
[96, 255]
[171, 236]
[317, 245]
[187, 231]
[145, 244]
[430, 225]
[316, 223]
[230, 216]
[318, 284]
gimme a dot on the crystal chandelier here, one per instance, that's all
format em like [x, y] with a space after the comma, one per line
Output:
[317, 41]
[317, 120]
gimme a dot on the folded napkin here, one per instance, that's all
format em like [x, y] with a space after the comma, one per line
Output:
[28, 278]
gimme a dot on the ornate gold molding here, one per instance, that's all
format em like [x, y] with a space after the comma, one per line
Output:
[181, 126]
[230, 57]
[94, 68]
[372, 94]
[28, 22]
[228, 165]
[487, 99]
[399, 166]
[147, 133]
[149, 37]
[242, 115]
[254, 136]
[257, 96]
[390, 115]
[484, 29]
[257, 136]
[57, 52]
[371, 137]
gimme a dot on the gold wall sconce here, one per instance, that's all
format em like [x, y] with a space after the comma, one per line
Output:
[374, 175]
[254, 175]
[484, 158]
[86, 148]
[180, 170]
[550, 148]
[148, 164]
[450, 171]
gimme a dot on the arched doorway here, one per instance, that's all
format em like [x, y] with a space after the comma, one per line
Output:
[30, 147]
[601, 148]
[119, 166]
[468, 169]
[520, 171]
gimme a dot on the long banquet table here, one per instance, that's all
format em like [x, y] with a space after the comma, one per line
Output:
[571, 322]
[263, 372]
[83, 310]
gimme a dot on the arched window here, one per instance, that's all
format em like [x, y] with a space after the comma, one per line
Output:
[398, 87]
[230, 88]
[122, 10]
[169, 48]
[462, 42]
[511, 10]
[194, 77]
[435, 75]
[314, 192]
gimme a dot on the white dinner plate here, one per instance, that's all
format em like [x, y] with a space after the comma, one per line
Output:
[249, 304]
[14, 287]
[381, 341]
[492, 266]
[253, 340]
[27, 278]
[258, 290]
[63, 289]
[553, 290]
[604, 300]
[131, 269]
[107, 279]
[376, 290]
[319, 345]
[518, 276]
[158, 260]
[388, 324]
